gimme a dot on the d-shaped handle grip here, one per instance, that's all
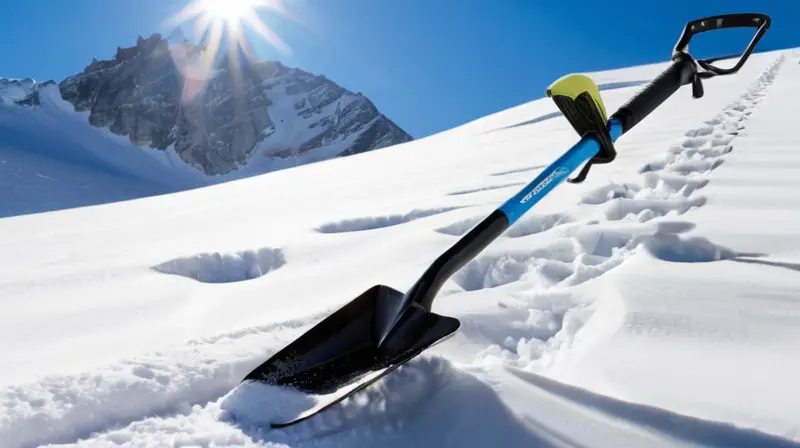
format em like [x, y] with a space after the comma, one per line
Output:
[747, 20]
[760, 22]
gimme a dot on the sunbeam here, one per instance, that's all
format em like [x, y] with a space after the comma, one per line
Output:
[218, 21]
[232, 14]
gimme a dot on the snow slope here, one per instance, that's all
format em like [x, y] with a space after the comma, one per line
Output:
[51, 158]
[657, 304]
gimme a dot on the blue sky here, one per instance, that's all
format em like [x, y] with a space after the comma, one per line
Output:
[427, 64]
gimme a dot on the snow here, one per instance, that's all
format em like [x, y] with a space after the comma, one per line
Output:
[13, 90]
[291, 129]
[656, 304]
[51, 158]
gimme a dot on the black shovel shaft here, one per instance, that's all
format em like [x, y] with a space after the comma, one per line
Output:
[470, 245]
[464, 250]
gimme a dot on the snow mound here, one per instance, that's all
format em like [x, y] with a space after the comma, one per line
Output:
[253, 405]
[391, 398]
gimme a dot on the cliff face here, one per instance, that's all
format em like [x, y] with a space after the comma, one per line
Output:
[217, 124]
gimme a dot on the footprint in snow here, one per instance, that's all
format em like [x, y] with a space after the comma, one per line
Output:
[643, 210]
[219, 267]
[609, 192]
[667, 188]
[378, 222]
[580, 255]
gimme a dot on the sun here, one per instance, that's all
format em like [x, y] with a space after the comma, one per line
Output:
[217, 17]
[232, 11]
[223, 22]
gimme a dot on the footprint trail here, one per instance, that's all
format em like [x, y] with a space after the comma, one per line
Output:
[537, 281]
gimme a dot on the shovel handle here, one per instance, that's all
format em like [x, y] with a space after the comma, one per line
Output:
[682, 71]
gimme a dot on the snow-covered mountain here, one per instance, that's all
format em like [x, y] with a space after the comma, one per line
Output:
[654, 305]
[149, 117]
[51, 158]
[20, 92]
[240, 110]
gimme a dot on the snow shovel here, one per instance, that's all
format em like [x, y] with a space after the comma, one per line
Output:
[384, 328]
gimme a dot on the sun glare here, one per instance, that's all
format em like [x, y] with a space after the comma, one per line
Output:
[215, 16]
[232, 11]
[217, 21]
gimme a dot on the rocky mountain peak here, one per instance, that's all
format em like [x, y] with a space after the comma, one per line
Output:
[218, 121]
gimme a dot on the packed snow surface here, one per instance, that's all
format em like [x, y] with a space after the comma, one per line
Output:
[656, 304]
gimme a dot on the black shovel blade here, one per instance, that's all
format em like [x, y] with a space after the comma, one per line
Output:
[344, 347]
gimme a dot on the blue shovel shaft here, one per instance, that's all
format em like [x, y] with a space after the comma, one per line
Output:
[554, 174]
